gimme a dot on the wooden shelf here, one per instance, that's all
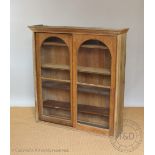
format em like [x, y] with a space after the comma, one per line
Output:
[59, 67]
[56, 84]
[94, 46]
[85, 109]
[93, 110]
[55, 80]
[93, 124]
[59, 117]
[53, 104]
[65, 85]
[81, 69]
[54, 44]
[94, 70]
[97, 91]
[93, 85]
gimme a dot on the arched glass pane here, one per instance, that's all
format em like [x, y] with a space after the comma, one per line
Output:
[94, 80]
[55, 75]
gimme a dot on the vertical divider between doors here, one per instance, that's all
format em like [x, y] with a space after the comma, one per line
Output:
[74, 88]
[71, 77]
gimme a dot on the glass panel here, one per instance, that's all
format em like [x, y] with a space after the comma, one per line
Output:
[56, 99]
[94, 80]
[55, 75]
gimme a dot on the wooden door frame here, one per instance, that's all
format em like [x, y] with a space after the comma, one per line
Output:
[110, 42]
[39, 39]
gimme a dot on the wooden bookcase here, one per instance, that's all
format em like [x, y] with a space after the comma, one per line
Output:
[79, 77]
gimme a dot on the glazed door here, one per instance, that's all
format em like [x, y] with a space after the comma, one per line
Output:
[54, 76]
[94, 82]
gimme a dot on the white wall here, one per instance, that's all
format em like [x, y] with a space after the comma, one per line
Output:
[90, 13]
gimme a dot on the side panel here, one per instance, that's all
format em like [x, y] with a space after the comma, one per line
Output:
[35, 77]
[120, 81]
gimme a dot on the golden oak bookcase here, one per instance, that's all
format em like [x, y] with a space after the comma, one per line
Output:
[79, 77]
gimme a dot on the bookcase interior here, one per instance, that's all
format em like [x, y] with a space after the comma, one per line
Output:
[93, 84]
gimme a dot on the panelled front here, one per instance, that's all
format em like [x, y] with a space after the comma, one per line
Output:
[54, 76]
